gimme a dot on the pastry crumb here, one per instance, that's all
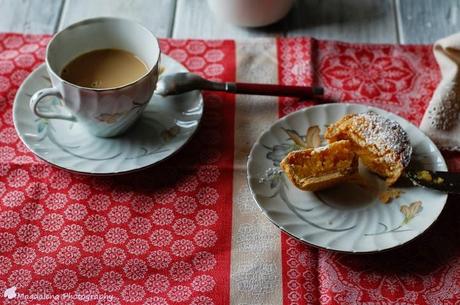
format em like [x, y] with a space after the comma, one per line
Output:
[389, 194]
[161, 69]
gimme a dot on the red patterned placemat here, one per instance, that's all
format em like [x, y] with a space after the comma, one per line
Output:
[155, 237]
[187, 231]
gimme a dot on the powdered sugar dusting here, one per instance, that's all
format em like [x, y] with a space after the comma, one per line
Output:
[386, 135]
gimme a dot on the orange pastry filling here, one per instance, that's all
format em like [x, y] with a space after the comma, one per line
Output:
[381, 144]
[320, 168]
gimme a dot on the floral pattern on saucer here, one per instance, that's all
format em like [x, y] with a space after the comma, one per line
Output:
[349, 217]
[312, 139]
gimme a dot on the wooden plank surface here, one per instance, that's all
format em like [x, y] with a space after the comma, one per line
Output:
[158, 15]
[428, 20]
[348, 20]
[29, 16]
[194, 19]
[413, 21]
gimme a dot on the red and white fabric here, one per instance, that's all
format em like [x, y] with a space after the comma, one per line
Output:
[187, 231]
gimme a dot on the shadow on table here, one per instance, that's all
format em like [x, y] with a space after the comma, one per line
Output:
[431, 252]
[310, 14]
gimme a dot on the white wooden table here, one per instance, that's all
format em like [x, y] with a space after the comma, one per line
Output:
[385, 21]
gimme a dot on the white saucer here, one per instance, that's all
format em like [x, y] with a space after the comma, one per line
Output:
[165, 126]
[346, 218]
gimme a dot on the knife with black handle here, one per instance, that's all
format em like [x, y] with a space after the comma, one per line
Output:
[447, 182]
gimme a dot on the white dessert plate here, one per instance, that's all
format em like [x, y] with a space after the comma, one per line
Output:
[165, 126]
[348, 217]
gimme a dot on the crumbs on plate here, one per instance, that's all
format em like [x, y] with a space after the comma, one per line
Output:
[389, 194]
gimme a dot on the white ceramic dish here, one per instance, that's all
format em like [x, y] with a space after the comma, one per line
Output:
[251, 13]
[347, 218]
[165, 126]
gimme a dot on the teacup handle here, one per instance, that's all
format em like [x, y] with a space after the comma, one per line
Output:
[37, 98]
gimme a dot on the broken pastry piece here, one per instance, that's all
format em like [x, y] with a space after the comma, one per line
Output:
[381, 143]
[315, 169]
[389, 194]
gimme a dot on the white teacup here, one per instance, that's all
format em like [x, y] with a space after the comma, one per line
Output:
[104, 112]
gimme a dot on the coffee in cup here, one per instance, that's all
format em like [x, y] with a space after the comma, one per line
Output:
[104, 70]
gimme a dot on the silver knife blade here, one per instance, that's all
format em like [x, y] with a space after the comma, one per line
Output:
[447, 182]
